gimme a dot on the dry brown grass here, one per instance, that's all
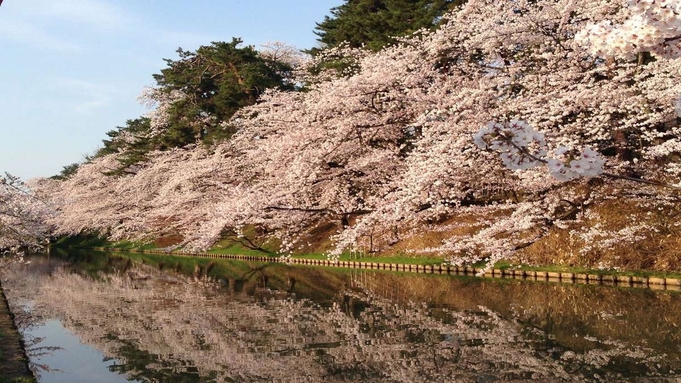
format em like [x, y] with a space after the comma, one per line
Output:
[654, 245]
[318, 239]
[168, 240]
[417, 239]
[658, 248]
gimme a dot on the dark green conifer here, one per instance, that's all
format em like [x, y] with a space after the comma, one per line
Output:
[376, 23]
[217, 80]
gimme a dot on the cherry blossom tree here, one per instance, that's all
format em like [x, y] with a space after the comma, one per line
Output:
[424, 131]
[22, 216]
[652, 26]
[519, 61]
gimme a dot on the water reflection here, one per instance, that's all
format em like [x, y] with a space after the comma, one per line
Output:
[181, 320]
[58, 357]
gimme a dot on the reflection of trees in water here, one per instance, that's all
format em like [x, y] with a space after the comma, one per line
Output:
[26, 322]
[593, 330]
[26, 317]
[35, 351]
[634, 316]
[164, 327]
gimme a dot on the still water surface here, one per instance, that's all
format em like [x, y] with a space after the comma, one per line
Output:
[95, 317]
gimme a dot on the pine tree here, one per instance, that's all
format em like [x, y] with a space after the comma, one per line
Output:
[132, 142]
[376, 23]
[217, 80]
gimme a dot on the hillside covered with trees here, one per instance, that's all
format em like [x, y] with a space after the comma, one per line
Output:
[539, 131]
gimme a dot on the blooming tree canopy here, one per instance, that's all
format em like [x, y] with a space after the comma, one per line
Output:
[652, 26]
[425, 131]
[22, 216]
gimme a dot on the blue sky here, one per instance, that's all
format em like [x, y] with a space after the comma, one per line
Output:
[71, 70]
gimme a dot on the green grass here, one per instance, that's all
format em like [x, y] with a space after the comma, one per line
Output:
[423, 261]
[236, 249]
[230, 247]
[133, 245]
[582, 270]
[396, 259]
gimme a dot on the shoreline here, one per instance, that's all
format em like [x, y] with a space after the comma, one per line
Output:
[13, 358]
[609, 278]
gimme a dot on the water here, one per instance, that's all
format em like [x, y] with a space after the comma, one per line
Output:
[60, 357]
[112, 318]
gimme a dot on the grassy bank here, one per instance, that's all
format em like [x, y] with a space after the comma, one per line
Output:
[401, 260]
[232, 246]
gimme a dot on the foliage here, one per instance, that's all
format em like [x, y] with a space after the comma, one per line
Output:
[206, 87]
[81, 240]
[376, 23]
[67, 171]
[131, 142]
[194, 98]
[394, 147]
[22, 216]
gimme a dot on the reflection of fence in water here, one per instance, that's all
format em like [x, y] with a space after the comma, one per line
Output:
[637, 317]
[378, 332]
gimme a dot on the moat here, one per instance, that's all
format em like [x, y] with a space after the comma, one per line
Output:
[95, 317]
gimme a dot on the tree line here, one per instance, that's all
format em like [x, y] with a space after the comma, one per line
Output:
[508, 126]
[218, 79]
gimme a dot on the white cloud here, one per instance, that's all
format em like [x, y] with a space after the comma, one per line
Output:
[24, 32]
[60, 25]
[96, 14]
[84, 97]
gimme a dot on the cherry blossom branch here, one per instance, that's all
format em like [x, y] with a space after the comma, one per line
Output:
[641, 180]
[22, 217]
[305, 210]
[318, 210]
[521, 147]
[652, 26]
